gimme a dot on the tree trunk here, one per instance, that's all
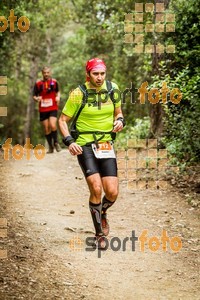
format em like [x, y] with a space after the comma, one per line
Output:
[156, 110]
[48, 48]
[30, 105]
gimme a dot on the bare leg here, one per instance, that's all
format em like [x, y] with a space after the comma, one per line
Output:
[47, 131]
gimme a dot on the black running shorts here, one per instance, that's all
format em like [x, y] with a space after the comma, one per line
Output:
[47, 114]
[91, 165]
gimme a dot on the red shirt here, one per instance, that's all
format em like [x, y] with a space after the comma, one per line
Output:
[47, 90]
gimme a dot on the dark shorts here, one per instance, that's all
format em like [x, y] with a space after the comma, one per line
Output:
[47, 114]
[91, 165]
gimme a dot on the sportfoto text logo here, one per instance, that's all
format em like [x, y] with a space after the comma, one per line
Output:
[154, 243]
[18, 151]
[149, 21]
[23, 23]
[143, 94]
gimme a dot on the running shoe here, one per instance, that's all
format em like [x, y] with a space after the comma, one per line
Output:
[100, 242]
[57, 147]
[104, 224]
[50, 150]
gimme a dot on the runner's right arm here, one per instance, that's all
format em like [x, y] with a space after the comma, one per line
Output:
[36, 96]
[74, 148]
[63, 120]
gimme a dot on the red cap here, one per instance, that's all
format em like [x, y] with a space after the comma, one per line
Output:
[95, 64]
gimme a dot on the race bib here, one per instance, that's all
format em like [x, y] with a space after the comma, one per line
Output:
[105, 150]
[46, 102]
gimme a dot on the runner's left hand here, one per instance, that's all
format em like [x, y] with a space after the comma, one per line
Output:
[118, 126]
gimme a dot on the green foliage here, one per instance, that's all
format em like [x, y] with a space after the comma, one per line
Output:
[65, 34]
[182, 121]
[181, 70]
[186, 35]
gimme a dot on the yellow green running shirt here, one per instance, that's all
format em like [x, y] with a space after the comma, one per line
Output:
[92, 117]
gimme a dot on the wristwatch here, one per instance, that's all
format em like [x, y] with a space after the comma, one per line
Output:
[122, 120]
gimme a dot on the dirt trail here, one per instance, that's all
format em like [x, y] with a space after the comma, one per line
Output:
[38, 199]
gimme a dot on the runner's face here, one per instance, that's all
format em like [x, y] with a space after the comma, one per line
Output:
[97, 78]
[46, 74]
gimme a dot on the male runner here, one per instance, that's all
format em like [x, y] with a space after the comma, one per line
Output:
[46, 93]
[96, 124]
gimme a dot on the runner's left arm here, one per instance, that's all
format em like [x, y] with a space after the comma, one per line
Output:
[118, 122]
[58, 97]
[57, 90]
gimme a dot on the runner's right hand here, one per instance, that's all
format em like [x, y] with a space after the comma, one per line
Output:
[75, 149]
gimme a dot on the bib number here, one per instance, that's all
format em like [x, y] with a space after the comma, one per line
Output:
[105, 150]
[46, 102]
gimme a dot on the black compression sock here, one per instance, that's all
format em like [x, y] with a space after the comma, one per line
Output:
[54, 136]
[95, 210]
[106, 204]
[49, 139]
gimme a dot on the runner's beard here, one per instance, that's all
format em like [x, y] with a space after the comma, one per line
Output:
[46, 77]
[97, 83]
